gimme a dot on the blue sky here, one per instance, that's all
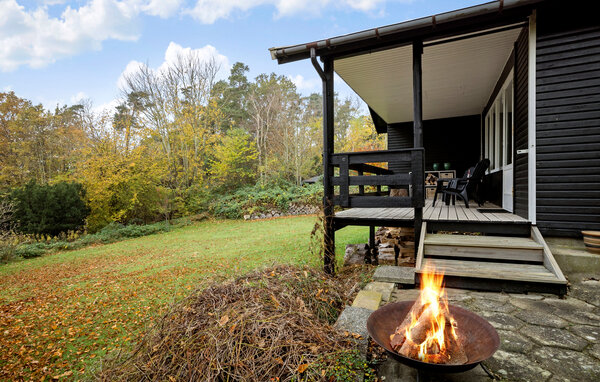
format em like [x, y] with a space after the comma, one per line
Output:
[58, 51]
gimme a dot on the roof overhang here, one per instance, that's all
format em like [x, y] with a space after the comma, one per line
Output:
[459, 76]
[479, 17]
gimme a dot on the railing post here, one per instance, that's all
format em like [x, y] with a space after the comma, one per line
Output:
[329, 234]
[419, 198]
[345, 182]
[361, 189]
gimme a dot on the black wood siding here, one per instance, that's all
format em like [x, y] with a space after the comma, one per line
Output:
[521, 132]
[568, 123]
[400, 136]
[454, 140]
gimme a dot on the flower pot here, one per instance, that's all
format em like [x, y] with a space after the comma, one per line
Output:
[591, 239]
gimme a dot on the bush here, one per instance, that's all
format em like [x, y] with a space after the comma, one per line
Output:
[49, 209]
[263, 198]
[109, 234]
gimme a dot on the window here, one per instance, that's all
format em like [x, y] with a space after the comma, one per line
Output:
[498, 129]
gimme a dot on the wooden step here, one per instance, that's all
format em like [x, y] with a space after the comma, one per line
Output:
[491, 262]
[492, 270]
[484, 247]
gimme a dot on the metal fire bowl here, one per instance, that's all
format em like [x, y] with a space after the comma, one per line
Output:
[480, 338]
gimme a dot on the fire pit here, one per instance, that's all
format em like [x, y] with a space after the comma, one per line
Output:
[450, 340]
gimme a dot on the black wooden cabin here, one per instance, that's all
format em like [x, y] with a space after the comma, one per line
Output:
[515, 81]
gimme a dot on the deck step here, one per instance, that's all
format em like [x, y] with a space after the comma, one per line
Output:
[500, 263]
[484, 247]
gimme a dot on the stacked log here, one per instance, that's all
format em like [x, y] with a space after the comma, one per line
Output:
[412, 333]
[396, 242]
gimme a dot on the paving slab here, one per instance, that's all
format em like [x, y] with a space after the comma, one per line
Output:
[588, 292]
[489, 305]
[595, 351]
[517, 367]
[385, 289]
[567, 364]
[502, 321]
[579, 317]
[406, 294]
[541, 318]
[569, 303]
[393, 274]
[394, 371]
[560, 338]
[589, 333]
[514, 342]
[532, 305]
[354, 320]
[368, 299]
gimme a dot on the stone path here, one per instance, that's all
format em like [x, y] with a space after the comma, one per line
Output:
[543, 337]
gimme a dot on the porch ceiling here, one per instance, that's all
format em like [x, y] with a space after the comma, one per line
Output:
[458, 76]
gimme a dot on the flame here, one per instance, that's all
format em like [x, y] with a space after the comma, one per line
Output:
[433, 297]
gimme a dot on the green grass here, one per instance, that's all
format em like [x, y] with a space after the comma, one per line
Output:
[62, 312]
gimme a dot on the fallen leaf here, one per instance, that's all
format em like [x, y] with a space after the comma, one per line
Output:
[63, 375]
[302, 368]
[224, 320]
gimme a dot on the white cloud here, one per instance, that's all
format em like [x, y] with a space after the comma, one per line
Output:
[32, 37]
[304, 84]
[209, 11]
[7, 88]
[162, 8]
[78, 98]
[172, 53]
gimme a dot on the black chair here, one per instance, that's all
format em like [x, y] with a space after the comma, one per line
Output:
[470, 183]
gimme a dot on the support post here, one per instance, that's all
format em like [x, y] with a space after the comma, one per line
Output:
[418, 131]
[329, 237]
[371, 253]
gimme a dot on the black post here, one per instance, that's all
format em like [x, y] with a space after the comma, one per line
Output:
[329, 239]
[418, 129]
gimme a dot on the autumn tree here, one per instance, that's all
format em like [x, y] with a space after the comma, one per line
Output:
[234, 163]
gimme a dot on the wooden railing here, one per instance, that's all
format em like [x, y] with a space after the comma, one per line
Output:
[360, 162]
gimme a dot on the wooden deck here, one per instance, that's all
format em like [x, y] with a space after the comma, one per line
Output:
[440, 217]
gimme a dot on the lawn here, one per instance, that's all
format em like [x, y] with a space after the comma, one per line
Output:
[61, 313]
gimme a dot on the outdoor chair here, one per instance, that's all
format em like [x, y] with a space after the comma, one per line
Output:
[461, 187]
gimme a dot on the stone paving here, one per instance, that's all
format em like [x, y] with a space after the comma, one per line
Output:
[543, 337]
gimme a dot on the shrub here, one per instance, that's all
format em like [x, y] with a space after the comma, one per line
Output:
[49, 209]
[263, 198]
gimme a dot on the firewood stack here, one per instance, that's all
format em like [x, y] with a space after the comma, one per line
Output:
[411, 333]
[396, 240]
[431, 180]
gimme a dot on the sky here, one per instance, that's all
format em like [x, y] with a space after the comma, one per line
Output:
[58, 52]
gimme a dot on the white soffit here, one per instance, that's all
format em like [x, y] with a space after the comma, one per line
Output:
[458, 77]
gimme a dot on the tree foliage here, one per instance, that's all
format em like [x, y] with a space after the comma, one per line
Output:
[49, 209]
[177, 136]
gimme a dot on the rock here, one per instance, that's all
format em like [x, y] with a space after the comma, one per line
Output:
[567, 364]
[514, 342]
[559, 338]
[368, 299]
[589, 333]
[517, 367]
[354, 320]
[588, 292]
[540, 318]
[247, 217]
[393, 274]
[385, 289]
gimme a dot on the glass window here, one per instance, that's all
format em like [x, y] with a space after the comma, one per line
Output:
[499, 128]
[509, 123]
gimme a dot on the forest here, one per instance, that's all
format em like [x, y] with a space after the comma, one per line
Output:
[179, 143]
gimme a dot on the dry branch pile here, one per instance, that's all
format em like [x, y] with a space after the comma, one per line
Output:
[270, 324]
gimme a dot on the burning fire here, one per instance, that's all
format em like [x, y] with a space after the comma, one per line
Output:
[429, 332]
